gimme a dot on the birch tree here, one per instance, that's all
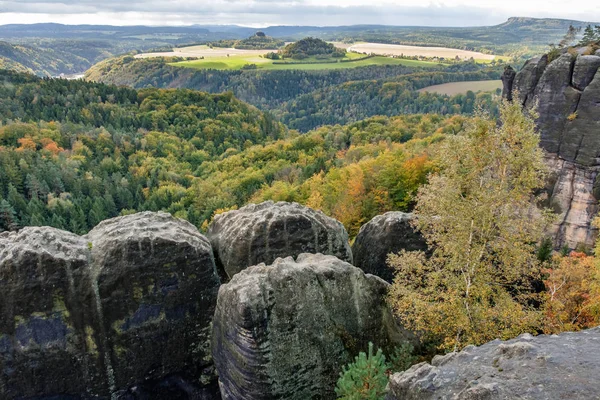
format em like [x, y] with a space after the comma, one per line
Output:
[478, 214]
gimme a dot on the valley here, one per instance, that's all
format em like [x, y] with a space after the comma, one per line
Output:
[223, 212]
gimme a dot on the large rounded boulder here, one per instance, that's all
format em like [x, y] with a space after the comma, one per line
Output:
[261, 233]
[42, 321]
[156, 284]
[561, 366]
[383, 235]
[123, 312]
[284, 331]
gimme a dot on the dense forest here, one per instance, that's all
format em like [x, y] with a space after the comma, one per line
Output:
[353, 101]
[74, 153]
[258, 41]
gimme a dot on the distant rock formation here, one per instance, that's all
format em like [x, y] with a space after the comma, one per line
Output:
[561, 366]
[284, 331]
[264, 232]
[567, 92]
[385, 234]
[123, 312]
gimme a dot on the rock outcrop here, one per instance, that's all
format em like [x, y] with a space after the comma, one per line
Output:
[561, 366]
[284, 331]
[261, 233]
[385, 234]
[508, 78]
[122, 312]
[567, 93]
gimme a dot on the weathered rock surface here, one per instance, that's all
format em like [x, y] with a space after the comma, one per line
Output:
[584, 71]
[264, 232]
[574, 197]
[284, 331]
[508, 78]
[42, 323]
[120, 313]
[561, 366]
[385, 234]
[567, 91]
[529, 76]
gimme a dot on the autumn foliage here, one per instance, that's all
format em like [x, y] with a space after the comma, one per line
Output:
[573, 293]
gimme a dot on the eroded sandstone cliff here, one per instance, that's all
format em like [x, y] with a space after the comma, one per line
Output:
[566, 92]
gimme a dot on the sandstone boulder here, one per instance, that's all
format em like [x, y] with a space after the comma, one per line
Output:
[156, 281]
[561, 366]
[385, 234]
[42, 323]
[264, 232]
[284, 331]
[119, 313]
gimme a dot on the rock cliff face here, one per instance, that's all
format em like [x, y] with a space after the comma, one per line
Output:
[567, 93]
[123, 312]
[284, 331]
[385, 234]
[561, 366]
[264, 232]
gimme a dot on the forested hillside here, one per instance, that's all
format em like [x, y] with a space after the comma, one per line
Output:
[353, 101]
[74, 153]
[309, 99]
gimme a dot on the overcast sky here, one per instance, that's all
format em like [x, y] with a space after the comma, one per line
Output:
[292, 12]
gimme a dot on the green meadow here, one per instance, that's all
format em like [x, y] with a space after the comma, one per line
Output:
[237, 62]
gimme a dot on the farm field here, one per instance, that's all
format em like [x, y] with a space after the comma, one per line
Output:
[455, 88]
[397, 49]
[234, 59]
[238, 62]
[202, 51]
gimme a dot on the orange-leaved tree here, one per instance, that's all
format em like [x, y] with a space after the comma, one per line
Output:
[573, 293]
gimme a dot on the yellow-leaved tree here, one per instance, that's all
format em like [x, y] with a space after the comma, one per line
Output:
[478, 214]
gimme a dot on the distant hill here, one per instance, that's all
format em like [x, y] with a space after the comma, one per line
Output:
[52, 49]
[311, 47]
[259, 41]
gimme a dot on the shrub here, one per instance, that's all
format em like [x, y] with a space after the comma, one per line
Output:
[402, 358]
[364, 379]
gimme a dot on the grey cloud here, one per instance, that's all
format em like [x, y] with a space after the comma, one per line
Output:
[288, 12]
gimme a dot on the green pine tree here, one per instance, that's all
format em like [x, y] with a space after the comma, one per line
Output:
[364, 379]
[589, 36]
[8, 217]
